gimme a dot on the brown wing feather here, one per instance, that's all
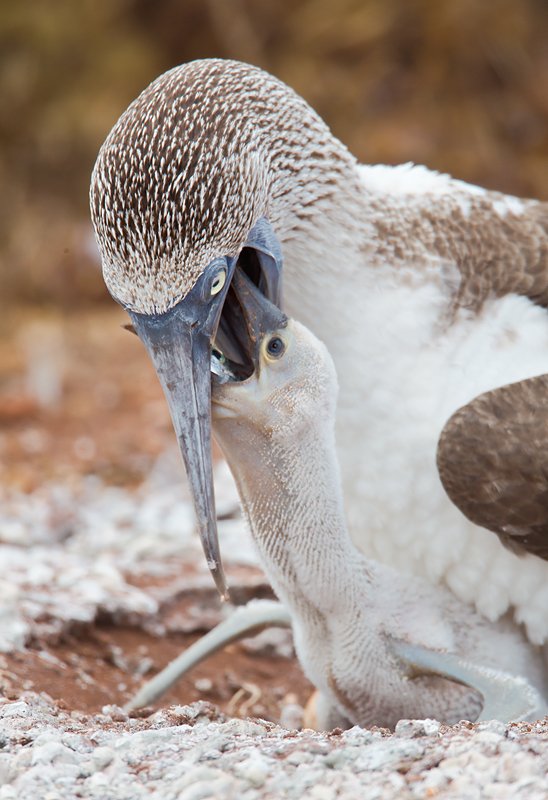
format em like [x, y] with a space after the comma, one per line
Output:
[504, 254]
[489, 253]
[493, 463]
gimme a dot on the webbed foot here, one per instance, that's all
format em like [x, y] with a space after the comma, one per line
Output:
[506, 697]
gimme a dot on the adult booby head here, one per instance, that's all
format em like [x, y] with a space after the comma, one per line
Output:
[205, 174]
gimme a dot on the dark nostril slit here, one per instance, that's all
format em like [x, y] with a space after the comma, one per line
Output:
[249, 263]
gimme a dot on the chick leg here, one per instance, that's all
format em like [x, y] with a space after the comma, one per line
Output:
[251, 618]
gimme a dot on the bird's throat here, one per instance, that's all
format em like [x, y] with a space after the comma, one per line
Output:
[292, 499]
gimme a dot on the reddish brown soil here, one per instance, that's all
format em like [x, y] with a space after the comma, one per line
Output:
[111, 421]
[101, 665]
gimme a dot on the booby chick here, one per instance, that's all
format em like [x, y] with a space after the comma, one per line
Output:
[428, 292]
[378, 645]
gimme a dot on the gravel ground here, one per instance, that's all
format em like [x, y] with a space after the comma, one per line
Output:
[193, 753]
[66, 558]
[66, 554]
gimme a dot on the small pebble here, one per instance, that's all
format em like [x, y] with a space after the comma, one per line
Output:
[203, 685]
[291, 716]
[413, 728]
[53, 752]
[102, 757]
[115, 713]
[322, 793]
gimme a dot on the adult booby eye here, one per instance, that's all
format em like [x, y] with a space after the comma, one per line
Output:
[275, 347]
[218, 282]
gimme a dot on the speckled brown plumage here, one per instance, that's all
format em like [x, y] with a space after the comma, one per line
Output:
[196, 159]
[493, 463]
[504, 254]
[487, 252]
[212, 145]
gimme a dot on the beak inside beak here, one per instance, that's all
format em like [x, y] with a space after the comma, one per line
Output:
[246, 318]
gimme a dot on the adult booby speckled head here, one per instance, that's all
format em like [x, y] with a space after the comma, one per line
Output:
[428, 292]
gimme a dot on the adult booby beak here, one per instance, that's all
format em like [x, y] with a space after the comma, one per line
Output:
[179, 343]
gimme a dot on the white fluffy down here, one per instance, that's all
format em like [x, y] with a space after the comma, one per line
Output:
[402, 372]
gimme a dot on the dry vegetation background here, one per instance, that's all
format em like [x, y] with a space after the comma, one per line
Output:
[461, 85]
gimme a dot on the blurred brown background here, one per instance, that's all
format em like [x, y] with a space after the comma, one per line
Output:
[461, 85]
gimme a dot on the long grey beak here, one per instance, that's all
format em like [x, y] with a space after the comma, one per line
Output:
[179, 344]
[180, 353]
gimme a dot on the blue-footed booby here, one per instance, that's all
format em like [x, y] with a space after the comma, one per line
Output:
[427, 291]
[378, 645]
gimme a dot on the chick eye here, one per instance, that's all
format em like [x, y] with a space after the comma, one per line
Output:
[218, 282]
[275, 347]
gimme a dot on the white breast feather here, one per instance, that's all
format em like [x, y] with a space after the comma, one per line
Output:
[402, 374]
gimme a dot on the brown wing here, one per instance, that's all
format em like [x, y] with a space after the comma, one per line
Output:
[493, 463]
